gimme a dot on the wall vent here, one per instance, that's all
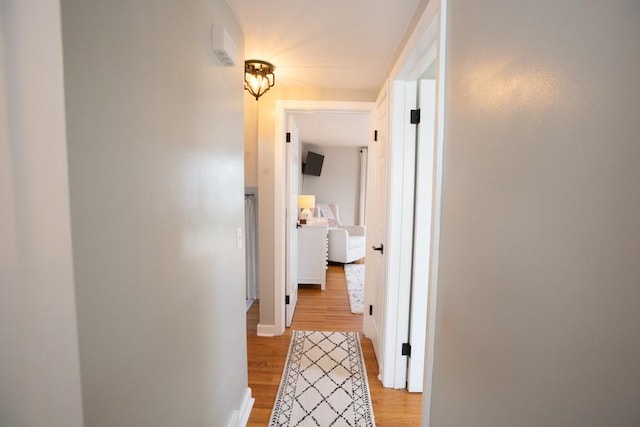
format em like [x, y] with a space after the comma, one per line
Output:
[223, 46]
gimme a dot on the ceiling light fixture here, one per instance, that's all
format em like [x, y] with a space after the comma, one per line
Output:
[258, 77]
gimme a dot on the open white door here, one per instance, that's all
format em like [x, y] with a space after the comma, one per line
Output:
[422, 232]
[291, 197]
[376, 220]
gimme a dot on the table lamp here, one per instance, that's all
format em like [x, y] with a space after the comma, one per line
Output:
[306, 203]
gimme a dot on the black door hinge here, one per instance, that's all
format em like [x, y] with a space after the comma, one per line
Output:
[406, 349]
[288, 137]
[286, 299]
[370, 310]
[375, 135]
[415, 116]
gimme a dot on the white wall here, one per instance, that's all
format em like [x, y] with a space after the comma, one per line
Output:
[339, 181]
[155, 128]
[539, 295]
[39, 367]
[250, 141]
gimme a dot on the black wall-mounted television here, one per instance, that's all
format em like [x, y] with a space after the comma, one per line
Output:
[313, 165]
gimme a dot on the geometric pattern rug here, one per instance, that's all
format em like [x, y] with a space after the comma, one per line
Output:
[354, 273]
[324, 382]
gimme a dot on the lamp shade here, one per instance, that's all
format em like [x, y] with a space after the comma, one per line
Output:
[306, 201]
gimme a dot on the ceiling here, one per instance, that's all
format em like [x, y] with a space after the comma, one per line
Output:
[327, 45]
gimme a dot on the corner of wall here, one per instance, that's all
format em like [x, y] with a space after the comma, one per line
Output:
[240, 417]
[267, 330]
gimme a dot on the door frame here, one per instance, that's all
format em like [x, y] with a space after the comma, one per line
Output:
[424, 49]
[292, 151]
[374, 323]
[282, 111]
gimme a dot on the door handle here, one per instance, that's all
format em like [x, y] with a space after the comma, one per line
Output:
[298, 225]
[379, 248]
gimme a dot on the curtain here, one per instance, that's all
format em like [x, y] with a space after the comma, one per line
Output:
[363, 186]
[250, 245]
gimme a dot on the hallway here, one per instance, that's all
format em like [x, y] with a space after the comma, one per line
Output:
[327, 311]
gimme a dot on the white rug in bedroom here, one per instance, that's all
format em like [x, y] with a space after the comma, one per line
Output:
[354, 274]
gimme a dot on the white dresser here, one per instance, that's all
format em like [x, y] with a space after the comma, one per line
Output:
[312, 254]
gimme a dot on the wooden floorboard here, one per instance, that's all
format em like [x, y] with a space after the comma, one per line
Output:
[318, 310]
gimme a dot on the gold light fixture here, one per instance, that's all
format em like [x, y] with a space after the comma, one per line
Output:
[258, 77]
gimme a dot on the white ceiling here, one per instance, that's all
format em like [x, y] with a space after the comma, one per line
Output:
[326, 45]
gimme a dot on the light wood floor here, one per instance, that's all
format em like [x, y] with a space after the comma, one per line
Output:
[321, 311]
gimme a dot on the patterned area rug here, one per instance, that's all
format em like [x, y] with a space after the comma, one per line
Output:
[354, 274]
[324, 382]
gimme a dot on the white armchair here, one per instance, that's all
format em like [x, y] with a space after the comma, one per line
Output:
[346, 242]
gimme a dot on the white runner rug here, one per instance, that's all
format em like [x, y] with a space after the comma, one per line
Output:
[354, 273]
[324, 382]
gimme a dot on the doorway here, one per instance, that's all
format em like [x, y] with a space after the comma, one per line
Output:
[283, 269]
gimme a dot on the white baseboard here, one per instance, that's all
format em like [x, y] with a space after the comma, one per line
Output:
[245, 409]
[267, 330]
[240, 417]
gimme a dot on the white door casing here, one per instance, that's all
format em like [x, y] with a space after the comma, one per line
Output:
[376, 220]
[418, 57]
[291, 214]
[440, 16]
[280, 196]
